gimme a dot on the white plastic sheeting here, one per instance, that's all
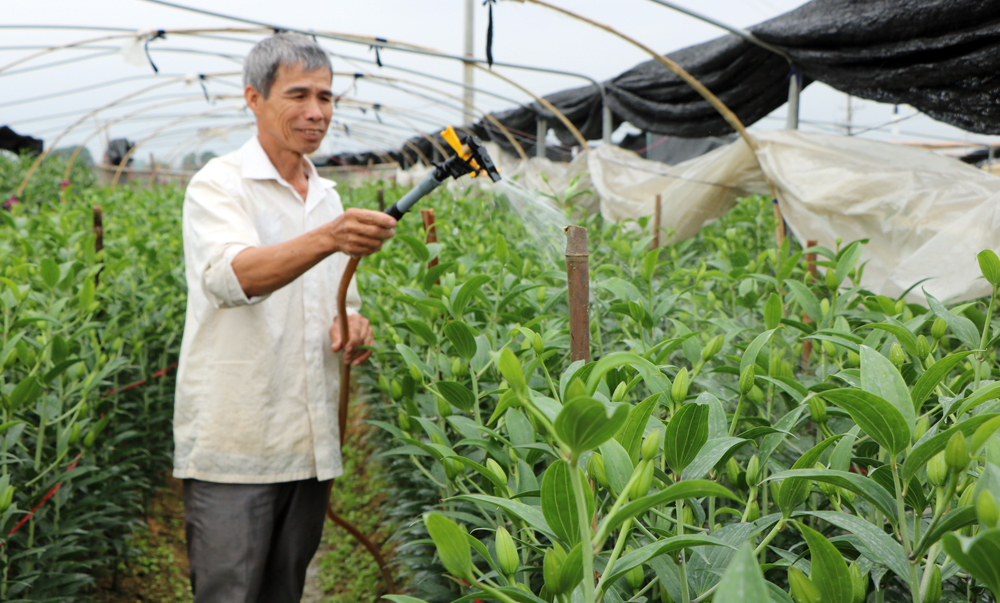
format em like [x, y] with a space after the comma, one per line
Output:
[925, 216]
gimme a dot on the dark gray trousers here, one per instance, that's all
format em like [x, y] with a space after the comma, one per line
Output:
[252, 543]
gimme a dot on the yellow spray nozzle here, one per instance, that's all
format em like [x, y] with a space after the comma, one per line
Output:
[451, 138]
[461, 150]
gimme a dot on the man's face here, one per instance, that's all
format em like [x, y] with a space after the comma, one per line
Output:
[296, 115]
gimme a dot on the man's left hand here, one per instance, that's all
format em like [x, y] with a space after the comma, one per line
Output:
[360, 335]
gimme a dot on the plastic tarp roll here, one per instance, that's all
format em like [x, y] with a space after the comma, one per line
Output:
[925, 216]
[692, 193]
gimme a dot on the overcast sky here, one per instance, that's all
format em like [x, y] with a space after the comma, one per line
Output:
[174, 117]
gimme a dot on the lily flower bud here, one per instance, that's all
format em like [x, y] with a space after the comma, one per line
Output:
[753, 471]
[595, 469]
[747, 379]
[506, 552]
[987, 510]
[651, 445]
[712, 348]
[896, 355]
[939, 328]
[551, 568]
[956, 453]
[937, 470]
[679, 389]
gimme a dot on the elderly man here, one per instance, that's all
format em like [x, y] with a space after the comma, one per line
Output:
[255, 422]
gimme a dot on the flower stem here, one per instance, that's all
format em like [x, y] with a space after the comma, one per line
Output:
[914, 582]
[586, 548]
[619, 545]
[736, 417]
[685, 595]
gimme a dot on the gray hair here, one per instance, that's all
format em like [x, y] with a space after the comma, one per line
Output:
[261, 66]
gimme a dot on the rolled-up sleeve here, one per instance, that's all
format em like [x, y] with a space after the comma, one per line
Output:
[216, 229]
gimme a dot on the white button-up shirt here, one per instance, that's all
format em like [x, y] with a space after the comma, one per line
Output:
[257, 385]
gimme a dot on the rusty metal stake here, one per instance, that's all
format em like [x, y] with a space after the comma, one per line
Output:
[98, 237]
[656, 221]
[807, 345]
[432, 237]
[578, 281]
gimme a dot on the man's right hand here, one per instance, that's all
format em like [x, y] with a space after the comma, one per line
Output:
[360, 232]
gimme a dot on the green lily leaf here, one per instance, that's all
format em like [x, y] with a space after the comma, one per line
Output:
[713, 453]
[882, 421]
[452, 546]
[686, 434]
[962, 327]
[572, 569]
[420, 329]
[618, 466]
[26, 392]
[806, 298]
[983, 394]
[665, 546]
[934, 375]
[456, 394]
[793, 492]
[743, 580]
[462, 338]
[416, 246]
[750, 355]
[630, 435]
[460, 296]
[686, 489]
[559, 504]
[903, 335]
[980, 556]
[583, 424]
[880, 377]
[952, 521]
[529, 514]
[829, 570]
[879, 546]
[862, 486]
[49, 271]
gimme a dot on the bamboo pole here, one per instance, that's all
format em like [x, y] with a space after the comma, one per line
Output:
[431, 236]
[807, 344]
[98, 237]
[578, 281]
[657, 210]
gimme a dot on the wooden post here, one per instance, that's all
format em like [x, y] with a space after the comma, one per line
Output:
[98, 237]
[428, 217]
[381, 199]
[656, 221]
[578, 281]
[807, 344]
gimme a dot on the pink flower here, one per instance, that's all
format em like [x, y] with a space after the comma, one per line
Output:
[11, 202]
[65, 183]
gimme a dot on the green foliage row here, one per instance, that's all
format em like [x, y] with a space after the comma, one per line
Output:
[75, 324]
[745, 430]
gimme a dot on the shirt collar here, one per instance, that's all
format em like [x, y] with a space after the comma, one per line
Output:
[256, 165]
